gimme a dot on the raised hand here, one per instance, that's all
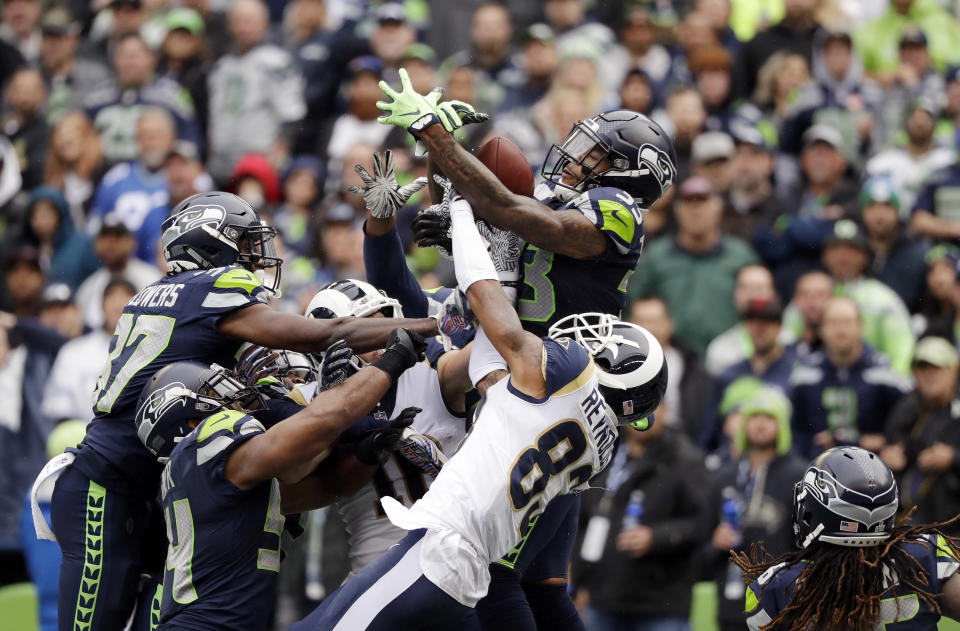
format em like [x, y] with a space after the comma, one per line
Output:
[377, 444]
[380, 192]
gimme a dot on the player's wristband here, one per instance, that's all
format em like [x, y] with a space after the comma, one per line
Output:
[393, 362]
[470, 258]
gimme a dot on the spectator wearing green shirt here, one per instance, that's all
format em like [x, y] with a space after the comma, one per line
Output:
[695, 272]
[878, 41]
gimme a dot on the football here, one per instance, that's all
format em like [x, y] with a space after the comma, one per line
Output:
[508, 163]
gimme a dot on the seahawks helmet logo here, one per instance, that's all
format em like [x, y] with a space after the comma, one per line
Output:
[157, 405]
[658, 162]
[196, 217]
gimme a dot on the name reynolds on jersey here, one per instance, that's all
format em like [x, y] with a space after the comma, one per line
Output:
[595, 412]
[157, 296]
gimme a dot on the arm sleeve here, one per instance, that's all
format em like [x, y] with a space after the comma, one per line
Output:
[387, 269]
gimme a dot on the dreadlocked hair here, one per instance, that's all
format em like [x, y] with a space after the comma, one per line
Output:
[850, 579]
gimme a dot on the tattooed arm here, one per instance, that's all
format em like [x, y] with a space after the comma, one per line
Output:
[565, 232]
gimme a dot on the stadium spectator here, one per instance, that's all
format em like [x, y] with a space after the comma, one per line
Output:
[24, 280]
[694, 272]
[897, 258]
[359, 123]
[779, 81]
[886, 321]
[694, 33]
[878, 40]
[24, 124]
[185, 173]
[938, 312]
[579, 35]
[255, 180]
[683, 117]
[843, 394]
[392, 36]
[710, 66]
[711, 156]
[638, 49]
[794, 33]
[636, 93]
[74, 373]
[752, 200]
[540, 59]
[322, 55]
[751, 498]
[27, 350]
[688, 377]
[804, 314]
[255, 88]
[490, 53]
[137, 191]
[66, 253]
[20, 29]
[923, 436]
[116, 20]
[74, 162]
[910, 166]
[115, 247]
[733, 345]
[640, 572]
[69, 77]
[218, 37]
[184, 59]
[301, 191]
[116, 107]
[936, 213]
[719, 12]
[770, 363]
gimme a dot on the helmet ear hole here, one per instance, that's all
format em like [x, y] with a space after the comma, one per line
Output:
[603, 363]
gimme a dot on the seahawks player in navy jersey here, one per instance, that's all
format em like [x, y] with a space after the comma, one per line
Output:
[583, 235]
[228, 484]
[212, 299]
[851, 556]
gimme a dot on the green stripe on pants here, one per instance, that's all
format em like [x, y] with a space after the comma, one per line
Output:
[93, 558]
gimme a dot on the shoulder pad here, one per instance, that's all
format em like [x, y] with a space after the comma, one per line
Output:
[234, 277]
[219, 431]
[615, 213]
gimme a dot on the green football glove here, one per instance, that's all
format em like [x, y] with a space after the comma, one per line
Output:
[409, 110]
[456, 114]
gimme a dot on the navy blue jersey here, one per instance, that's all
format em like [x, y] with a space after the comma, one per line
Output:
[555, 286]
[224, 543]
[769, 594]
[172, 320]
[847, 401]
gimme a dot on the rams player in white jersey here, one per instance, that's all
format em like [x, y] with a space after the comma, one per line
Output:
[544, 431]
[439, 427]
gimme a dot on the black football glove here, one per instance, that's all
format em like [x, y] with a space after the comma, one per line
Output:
[432, 230]
[377, 444]
[335, 368]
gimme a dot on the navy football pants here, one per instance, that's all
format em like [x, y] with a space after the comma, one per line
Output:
[108, 540]
[389, 594]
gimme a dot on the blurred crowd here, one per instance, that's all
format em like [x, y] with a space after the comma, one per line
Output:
[802, 274]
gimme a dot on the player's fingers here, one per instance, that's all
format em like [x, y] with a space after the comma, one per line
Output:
[388, 163]
[405, 85]
[363, 173]
[388, 91]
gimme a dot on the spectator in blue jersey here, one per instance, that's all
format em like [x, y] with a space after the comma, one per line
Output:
[115, 108]
[936, 213]
[923, 432]
[65, 252]
[750, 499]
[843, 394]
[137, 190]
[898, 258]
[637, 568]
[770, 363]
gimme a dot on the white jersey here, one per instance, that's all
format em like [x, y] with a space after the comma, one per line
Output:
[371, 533]
[521, 453]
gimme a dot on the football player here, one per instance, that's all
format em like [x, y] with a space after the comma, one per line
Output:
[228, 480]
[854, 566]
[583, 235]
[219, 255]
[440, 426]
[543, 432]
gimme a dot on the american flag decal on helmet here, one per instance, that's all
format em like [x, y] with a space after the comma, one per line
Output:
[849, 526]
[628, 407]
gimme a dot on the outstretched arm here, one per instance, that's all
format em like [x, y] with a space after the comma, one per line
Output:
[292, 449]
[566, 232]
[273, 329]
[522, 351]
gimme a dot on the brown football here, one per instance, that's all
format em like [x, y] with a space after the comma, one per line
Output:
[508, 163]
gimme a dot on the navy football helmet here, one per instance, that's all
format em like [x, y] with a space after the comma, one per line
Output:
[634, 375]
[187, 391]
[643, 161]
[217, 229]
[847, 497]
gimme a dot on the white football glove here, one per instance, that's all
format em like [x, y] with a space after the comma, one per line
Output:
[381, 194]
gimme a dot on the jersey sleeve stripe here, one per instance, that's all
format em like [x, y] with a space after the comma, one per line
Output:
[578, 382]
[758, 620]
[237, 279]
[220, 301]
